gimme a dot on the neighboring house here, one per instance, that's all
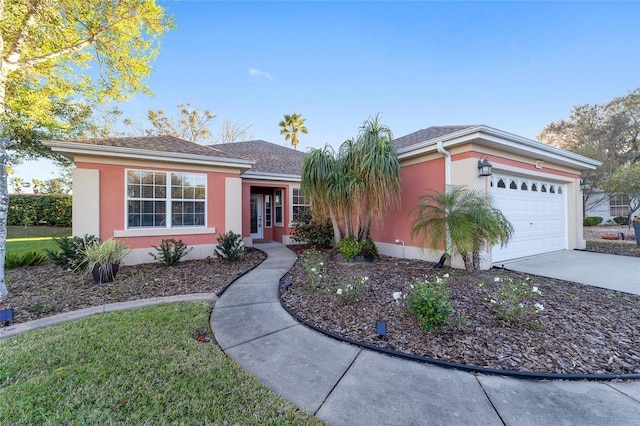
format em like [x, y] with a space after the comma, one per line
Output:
[607, 206]
[147, 189]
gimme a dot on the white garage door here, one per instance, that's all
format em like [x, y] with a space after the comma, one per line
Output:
[537, 211]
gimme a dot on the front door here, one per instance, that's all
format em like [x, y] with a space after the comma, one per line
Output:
[255, 210]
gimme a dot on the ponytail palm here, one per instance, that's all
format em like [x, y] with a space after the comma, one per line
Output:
[356, 185]
[464, 220]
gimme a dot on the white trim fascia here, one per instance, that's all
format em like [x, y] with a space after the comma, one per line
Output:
[270, 176]
[159, 232]
[143, 154]
[518, 143]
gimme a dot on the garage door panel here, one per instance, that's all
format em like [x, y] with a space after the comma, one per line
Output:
[539, 218]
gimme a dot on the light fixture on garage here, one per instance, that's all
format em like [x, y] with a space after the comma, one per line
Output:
[484, 166]
[585, 184]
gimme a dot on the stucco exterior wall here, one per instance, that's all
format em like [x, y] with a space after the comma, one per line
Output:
[86, 202]
[110, 206]
[416, 178]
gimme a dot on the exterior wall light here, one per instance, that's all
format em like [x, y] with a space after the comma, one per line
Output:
[484, 166]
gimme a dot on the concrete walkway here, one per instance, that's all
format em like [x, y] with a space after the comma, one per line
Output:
[346, 385]
[621, 273]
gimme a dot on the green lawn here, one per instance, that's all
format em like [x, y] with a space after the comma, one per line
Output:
[19, 232]
[142, 366]
[22, 239]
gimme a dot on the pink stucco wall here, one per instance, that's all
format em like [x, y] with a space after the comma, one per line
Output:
[112, 204]
[414, 181]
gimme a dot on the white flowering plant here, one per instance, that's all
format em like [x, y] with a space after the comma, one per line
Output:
[313, 262]
[514, 300]
[350, 293]
[429, 302]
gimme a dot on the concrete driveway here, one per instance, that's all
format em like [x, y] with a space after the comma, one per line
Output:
[621, 273]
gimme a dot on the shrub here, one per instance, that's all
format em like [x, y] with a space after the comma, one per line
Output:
[429, 302]
[316, 234]
[313, 263]
[349, 248]
[30, 258]
[230, 247]
[28, 209]
[515, 300]
[349, 294]
[592, 220]
[368, 249]
[170, 251]
[72, 251]
[621, 220]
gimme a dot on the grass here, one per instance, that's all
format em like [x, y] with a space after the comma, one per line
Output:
[20, 232]
[22, 239]
[142, 366]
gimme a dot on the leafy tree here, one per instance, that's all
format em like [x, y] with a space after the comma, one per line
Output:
[290, 126]
[358, 184]
[190, 124]
[626, 182]
[19, 184]
[37, 185]
[609, 133]
[47, 51]
[233, 131]
[463, 220]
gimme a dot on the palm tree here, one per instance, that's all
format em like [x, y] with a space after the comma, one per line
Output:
[356, 185]
[290, 126]
[464, 220]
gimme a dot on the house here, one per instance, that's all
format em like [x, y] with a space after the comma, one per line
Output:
[608, 207]
[147, 189]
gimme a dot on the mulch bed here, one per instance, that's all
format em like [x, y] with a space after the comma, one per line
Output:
[45, 290]
[582, 329]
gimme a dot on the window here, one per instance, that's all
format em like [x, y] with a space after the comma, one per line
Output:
[618, 205]
[513, 185]
[165, 200]
[277, 202]
[267, 211]
[298, 203]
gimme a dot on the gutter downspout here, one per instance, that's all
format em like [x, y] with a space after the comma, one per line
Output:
[447, 164]
[447, 184]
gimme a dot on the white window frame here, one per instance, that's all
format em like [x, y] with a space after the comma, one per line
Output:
[618, 203]
[278, 194]
[168, 200]
[268, 210]
[292, 205]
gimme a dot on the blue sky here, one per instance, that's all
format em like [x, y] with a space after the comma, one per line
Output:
[510, 65]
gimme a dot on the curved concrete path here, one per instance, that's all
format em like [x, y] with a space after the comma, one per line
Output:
[346, 385]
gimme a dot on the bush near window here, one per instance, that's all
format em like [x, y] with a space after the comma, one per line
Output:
[316, 234]
[32, 209]
[72, 251]
[170, 251]
[592, 221]
[230, 247]
[621, 220]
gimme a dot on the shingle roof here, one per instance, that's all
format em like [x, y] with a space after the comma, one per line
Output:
[269, 157]
[425, 135]
[156, 143]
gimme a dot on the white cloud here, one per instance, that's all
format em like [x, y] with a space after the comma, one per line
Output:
[255, 72]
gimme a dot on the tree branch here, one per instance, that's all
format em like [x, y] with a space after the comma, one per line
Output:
[20, 39]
